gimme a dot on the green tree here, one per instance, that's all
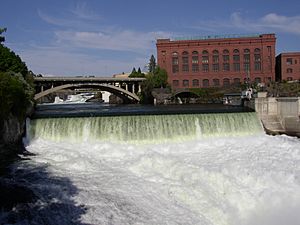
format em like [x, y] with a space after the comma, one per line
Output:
[10, 62]
[152, 64]
[157, 79]
[135, 73]
[2, 38]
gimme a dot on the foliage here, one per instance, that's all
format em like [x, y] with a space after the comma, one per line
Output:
[9, 61]
[2, 39]
[16, 83]
[157, 79]
[15, 95]
[135, 73]
[152, 64]
[283, 89]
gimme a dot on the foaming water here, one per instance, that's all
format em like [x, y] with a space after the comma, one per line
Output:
[225, 180]
[146, 128]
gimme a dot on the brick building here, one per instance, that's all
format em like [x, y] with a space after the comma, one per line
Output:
[217, 61]
[288, 66]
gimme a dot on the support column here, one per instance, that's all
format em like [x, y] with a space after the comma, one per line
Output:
[42, 88]
[126, 87]
[133, 90]
[140, 89]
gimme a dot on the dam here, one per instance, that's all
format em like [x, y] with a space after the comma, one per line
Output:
[202, 168]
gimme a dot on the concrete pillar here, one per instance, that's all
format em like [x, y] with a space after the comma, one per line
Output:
[140, 88]
[126, 87]
[133, 90]
[42, 88]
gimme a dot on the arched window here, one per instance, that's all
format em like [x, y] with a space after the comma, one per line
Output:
[289, 70]
[185, 61]
[226, 82]
[246, 60]
[205, 61]
[237, 81]
[225, 52]
[175, 62]
[257, 59]
[236, 60]
[195, 61]
[195, 83]
[175, 83]
[215, 60]
[205, 83]
[257, 80]
[216, 82]
[257, 50]
[226, 65]
[185, 83]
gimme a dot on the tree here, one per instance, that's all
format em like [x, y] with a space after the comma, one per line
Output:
[157, 79]
[2, 39]
[135, 73]
[152, 64]
[10, 62]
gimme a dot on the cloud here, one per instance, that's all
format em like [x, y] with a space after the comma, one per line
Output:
[271, 22]
[61, 63]
[82, 11]
[121, 40]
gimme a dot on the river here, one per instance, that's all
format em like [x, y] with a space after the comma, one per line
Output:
[216, 168]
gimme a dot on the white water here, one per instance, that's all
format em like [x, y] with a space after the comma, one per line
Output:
[248, 179]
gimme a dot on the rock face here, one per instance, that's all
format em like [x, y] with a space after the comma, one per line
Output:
[12, 130]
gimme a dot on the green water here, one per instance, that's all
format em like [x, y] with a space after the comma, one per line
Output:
[145, 127]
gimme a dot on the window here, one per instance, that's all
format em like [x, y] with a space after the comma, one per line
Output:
[289, 61]
[185, 61]
[226, 82]
[236, 58]
[205, 67]
[195, 61]
[204, 52]
[257, 66]
[215, 67]
[163, 53]
[236, 51]
[246, 67]
[185, 83]
[225, 58]
[195, 83]
[195, 67]
[216, 82]
[226, 67]
[247, 54]
[289, 70]
[236, 67]
[257, 80]
[175, 62]
[215, 59]
[236, 81]
[204, 59]
[205, 83]
[289, 78]
[175, 83]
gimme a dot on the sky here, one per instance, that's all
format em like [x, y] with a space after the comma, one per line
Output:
[102, 38]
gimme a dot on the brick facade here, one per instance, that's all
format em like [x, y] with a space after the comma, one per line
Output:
[288, 66]
[209, 62]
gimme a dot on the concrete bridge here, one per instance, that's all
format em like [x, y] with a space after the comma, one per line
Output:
[125, 88]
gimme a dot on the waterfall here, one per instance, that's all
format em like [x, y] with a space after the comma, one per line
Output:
[145, 127]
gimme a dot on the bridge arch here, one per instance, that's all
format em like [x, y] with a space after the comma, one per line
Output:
[120, 92]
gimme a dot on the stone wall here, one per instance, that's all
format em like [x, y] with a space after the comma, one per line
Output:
[279, 115]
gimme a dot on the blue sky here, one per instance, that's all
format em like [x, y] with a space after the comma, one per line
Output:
[102, 38]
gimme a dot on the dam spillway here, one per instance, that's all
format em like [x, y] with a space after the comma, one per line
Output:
[208, 169]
